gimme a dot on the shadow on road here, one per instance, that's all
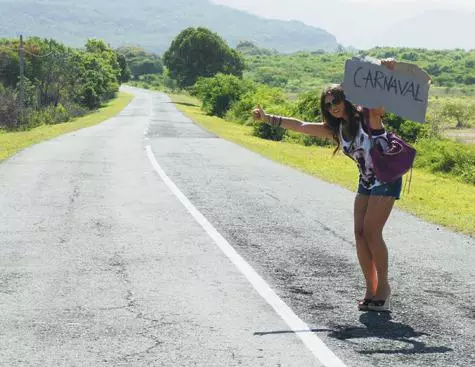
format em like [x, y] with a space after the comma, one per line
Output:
[185, 104]
[380, 325]
[262, 333]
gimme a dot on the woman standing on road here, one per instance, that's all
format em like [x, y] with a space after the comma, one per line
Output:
[348, 126]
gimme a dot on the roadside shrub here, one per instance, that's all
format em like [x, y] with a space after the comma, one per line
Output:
[59, 114]
[9, 112]
[410, 131]
[272, 100]
[169, 83]
[154, 79]
[218, 93]
[447, 156]
[306, 140]
[89, 97]
[307, 106]
[268, 132]
[47, 116]
[74, 109]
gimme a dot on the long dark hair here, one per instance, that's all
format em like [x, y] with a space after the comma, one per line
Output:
[354, 114]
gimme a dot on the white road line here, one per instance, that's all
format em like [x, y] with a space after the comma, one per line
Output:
[313, 343]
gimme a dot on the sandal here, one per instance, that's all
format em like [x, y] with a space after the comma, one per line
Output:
[363, 305]
[380, 305]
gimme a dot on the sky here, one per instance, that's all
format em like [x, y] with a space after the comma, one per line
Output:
[466, 3]
[354, 22]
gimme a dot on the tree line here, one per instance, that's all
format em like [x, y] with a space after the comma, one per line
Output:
[58, 82]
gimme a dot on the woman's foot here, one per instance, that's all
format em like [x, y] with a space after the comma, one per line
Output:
[382, 292]
[381, 301]
[363, 304]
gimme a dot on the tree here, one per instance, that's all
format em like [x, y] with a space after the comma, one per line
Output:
[125, 72]
[146, 66]
[198, 52]
[141, 62]
[99, 74]
[249, 48]
[460, 111]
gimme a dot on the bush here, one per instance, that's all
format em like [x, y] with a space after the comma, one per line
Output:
[47, 116]
[410, 131]
[306, 140]
[9, 112]
[75, 110]
[268, 132]
[89, 97]
[307, 106]
[272, 100]
[220, 92]
[447, 156]
[60, 114]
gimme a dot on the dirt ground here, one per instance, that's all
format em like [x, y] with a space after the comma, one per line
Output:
[462, 135]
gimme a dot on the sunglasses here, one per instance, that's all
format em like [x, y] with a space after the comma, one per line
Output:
[334, 102]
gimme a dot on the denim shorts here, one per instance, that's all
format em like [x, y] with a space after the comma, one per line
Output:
[388, 189]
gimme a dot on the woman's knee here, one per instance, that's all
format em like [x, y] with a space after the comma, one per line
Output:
[371, 233]
[359, 234]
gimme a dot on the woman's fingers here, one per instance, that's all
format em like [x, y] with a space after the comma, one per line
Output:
[390, 63]
[379, 111]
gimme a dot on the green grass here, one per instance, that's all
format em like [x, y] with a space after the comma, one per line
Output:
[13, 142]
[435, 198]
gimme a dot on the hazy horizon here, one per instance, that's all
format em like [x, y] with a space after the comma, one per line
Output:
[347, 19]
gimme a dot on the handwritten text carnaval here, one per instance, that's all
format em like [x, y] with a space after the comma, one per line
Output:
[377, 79]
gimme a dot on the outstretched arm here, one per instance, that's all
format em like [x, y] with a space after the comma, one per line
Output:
[318, 129]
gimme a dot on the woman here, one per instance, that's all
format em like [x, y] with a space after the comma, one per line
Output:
[348, 126]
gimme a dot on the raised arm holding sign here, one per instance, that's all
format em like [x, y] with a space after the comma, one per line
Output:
[360, 133]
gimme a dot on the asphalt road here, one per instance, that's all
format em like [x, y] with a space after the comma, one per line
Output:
[105, 263]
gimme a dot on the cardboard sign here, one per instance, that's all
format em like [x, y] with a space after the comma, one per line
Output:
[404, 91]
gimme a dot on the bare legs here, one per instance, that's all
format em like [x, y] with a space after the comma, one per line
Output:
[370, 216]
[362, 250]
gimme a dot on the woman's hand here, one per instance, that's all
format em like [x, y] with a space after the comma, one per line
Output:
[259, 114]
[390, 63]
[377, 112]
[375, 120]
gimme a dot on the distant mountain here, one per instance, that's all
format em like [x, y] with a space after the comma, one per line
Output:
[152, 24]
[366, 24]
[432, 29]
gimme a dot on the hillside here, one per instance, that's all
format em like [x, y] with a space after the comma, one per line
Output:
[365, 24]
[152, 23]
